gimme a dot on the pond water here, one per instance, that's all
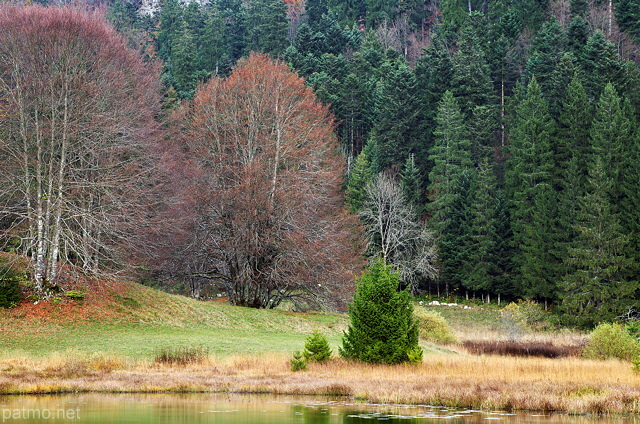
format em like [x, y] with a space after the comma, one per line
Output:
[253, 409]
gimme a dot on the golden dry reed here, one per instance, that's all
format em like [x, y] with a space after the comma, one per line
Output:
[573, 385]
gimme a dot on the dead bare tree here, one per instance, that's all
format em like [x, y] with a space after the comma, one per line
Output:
[77, 113]
[394, 232]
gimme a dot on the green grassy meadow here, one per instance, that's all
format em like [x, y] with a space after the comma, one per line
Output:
[135, 321]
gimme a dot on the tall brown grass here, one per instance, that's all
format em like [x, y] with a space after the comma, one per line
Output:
[570, 384]
[543, 349]
[182, 356]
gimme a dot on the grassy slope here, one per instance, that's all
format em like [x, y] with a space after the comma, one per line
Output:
[134, 321]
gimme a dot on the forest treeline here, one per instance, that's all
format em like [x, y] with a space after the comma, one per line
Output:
[490, 148]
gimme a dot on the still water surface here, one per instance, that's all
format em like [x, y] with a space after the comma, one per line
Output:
[254, 409]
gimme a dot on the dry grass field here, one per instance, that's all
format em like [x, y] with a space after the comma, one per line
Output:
[108, 342]
[573, 385]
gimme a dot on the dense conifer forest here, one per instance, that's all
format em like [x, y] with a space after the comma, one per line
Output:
[490, 147]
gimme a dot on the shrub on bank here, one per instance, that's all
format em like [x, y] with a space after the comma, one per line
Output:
[611, 341]
[433, 327]
[298, 362]
[316, 348]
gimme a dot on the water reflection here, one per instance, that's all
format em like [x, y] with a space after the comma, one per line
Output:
[253, 409]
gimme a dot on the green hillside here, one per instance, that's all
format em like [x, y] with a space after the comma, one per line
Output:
[135, 321]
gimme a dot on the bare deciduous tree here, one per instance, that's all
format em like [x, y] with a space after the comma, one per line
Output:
[263, 213]
[395, 234]
[77, 111]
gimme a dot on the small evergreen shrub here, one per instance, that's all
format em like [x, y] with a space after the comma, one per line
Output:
[298, 362]
[433, 327]
[611, 341]
[10, 294]
[382, 328]
[316, 348]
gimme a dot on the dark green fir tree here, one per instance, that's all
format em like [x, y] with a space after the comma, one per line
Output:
[471, 83]
[451, 156]
[184, 60]
[483, 269]
[359, 177]
[546, 53]
[170, 27]
[574, 124]
[599, 287]
[611, 130]
[397, 124]
[268, 27]
[382, 328]
[528, 173]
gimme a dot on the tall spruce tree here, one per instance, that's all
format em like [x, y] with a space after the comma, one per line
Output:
[503, 281]
[451, 156]
[483, 269]
[214, 53]
[359, 177]
[170, 26]
[630, 190]
[471, 81]
[540, 262]
[573, 141]
[573, 188]
[561, 77]
[527, 178]
[577, 35]
[184, 61]
[611, 130]
[449, 188]
[598, 288]
[397, 124]
[600, 65]
[455, 242]
[546, 53]
[235, 15]
[433, 77]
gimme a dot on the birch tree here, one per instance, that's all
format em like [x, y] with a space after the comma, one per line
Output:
[77, 109]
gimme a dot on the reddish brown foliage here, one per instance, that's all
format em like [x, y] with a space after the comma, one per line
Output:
[508, 348]
[260, 194]
[77, 117]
